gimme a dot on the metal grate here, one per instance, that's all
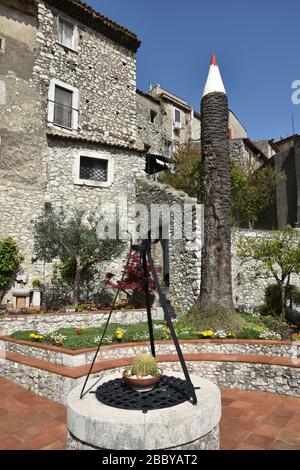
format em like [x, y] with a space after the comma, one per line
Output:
[93, 169]
[169, 391]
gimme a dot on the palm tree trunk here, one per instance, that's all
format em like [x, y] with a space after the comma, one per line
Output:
[216, 284]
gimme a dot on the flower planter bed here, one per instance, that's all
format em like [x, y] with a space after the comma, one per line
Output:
[80, 357]
[49, 322]
[245, 372]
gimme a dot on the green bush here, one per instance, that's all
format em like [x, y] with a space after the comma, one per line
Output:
[215, 320]
[273, 298]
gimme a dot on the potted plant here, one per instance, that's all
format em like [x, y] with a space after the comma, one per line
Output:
[36, 283]
[143, 374]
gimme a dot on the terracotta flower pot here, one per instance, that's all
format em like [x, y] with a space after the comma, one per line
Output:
[142, 384]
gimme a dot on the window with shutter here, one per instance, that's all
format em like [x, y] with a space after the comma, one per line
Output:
[66, 33]
[63, 102]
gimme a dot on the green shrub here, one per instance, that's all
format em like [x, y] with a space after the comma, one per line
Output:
[215, 320]
[273, 297]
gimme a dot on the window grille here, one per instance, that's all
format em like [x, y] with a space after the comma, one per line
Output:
[93, 169]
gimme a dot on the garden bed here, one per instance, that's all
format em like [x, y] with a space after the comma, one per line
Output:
[51, 321]
[80, 357]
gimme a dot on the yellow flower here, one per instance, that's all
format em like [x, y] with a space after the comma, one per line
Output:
[119, 334]
[32, 335]
[206, 334]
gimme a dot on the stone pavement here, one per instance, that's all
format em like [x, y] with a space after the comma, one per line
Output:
[250, 421]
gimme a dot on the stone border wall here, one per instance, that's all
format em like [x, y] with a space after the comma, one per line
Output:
[281, 380]
[70, 358]
[47, 323]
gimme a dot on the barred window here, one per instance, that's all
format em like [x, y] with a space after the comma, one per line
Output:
[94, 169]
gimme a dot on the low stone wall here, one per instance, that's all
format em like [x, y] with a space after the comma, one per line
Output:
[69, 358]
[282, 380]
[47, 323]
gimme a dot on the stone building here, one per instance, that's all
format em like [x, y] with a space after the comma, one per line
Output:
[67, 115]
[286, 208]
[74, 132]
[166, 122]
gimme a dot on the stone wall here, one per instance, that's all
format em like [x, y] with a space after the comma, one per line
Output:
[183, 254]
[149, 133]
[248, 291]
[48, 323]
[36, 168]
[102, 70]
[233, 375]
[60, 356]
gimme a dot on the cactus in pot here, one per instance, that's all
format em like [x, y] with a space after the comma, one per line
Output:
[144, 365]
[144, 373]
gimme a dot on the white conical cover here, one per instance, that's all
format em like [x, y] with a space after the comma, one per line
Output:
[214, 81]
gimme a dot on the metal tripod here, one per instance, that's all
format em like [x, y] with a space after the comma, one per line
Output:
[145, 251]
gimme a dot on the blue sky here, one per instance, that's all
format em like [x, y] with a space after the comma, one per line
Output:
[257, 45]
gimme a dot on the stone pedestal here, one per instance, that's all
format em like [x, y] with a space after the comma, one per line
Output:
[93, 425]
[36, 297]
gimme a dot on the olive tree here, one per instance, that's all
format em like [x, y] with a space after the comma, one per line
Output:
[10, 260]
[73, 241]
[277, 257]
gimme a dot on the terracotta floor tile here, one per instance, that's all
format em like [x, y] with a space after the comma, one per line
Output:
[245, 446]
[281, 445]
[227, 444]
[294, 424]
[8, 443]
[268, 430]
[275, 420]
[259, 440]
[250, 420]
[290, 437]
[233, 433]
[243, 405]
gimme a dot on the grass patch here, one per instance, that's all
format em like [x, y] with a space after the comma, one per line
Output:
[219, 325]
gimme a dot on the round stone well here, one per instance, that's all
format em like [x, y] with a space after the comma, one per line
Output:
[94, 425]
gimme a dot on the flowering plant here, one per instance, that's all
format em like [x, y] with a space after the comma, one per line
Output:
[36, 337]
[296, 337]
[58, 339]
[206, 334]
[119, 334]
[78, 331]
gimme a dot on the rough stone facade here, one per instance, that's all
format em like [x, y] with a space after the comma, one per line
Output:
[62, 357]
[103, 71]
[164, 135]
[37, 158]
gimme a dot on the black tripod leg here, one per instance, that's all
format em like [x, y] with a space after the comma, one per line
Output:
[164, 305]
[148, 302]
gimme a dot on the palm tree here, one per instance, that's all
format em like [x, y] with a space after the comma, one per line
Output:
[216, 285]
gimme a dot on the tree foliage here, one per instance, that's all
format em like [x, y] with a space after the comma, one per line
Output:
[133, 282]
[10, 260]
[277, 257]
[75, 243]
[185, 171]
[252, 189]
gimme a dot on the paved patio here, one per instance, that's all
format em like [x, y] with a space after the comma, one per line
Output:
[250, 421]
